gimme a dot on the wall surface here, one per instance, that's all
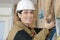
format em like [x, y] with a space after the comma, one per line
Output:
[6, 20]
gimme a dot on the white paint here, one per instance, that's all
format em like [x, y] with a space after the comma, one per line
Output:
[6, 9]
[6, 15]
[7, 26]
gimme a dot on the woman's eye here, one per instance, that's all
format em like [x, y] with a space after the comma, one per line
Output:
[25, 12]
[32, 12]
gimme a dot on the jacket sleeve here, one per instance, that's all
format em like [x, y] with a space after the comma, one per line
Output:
[22, 35]
[41, 35]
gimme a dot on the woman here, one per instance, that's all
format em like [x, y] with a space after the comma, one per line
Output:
[21, 30]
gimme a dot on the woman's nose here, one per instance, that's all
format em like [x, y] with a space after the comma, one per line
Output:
[29, 14]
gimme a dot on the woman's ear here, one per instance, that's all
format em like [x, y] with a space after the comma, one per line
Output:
[19, 15]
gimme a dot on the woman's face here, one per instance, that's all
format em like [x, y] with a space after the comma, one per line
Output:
[26, 16]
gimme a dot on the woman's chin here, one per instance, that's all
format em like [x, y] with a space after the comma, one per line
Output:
[29, 22]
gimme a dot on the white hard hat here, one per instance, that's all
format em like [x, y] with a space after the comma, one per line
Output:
[25, 5]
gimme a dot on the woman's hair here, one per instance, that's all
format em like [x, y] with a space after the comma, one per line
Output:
[19, 13]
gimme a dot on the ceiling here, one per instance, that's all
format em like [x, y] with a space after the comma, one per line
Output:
[8, 1]
[13, 1]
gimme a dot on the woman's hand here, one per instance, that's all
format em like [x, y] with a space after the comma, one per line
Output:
[49, 25]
